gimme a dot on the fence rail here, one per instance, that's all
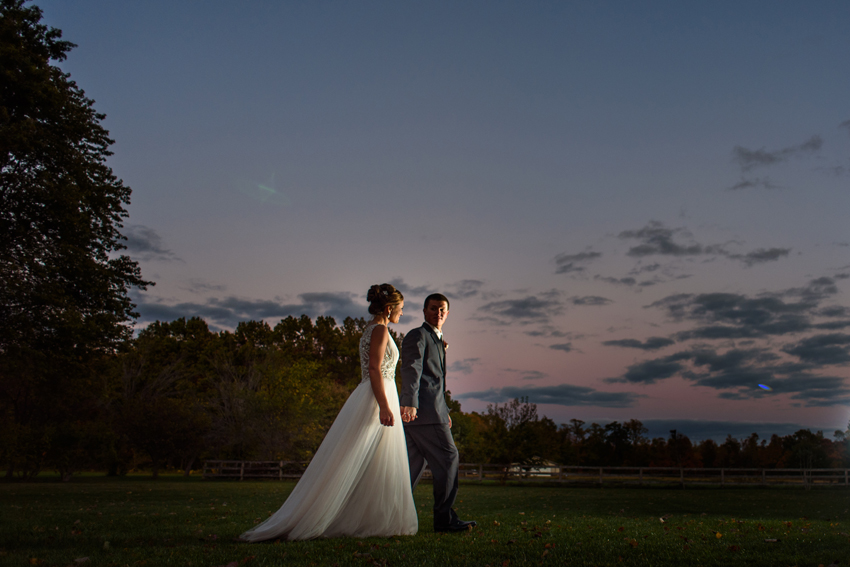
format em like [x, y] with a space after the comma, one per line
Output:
[674, 476]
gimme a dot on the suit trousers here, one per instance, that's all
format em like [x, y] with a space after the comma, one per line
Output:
[433, 444]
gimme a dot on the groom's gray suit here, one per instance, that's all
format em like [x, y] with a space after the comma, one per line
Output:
[429, 439]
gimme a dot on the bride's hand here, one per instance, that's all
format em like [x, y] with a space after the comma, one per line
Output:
[387, 417]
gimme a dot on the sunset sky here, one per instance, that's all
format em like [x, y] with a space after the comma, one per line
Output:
[638, 209]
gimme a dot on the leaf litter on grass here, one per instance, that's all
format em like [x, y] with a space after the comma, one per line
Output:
[751, 509]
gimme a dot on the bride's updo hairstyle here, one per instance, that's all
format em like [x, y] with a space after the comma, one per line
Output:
[379, 296]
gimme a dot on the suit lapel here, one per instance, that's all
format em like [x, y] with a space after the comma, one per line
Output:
[438, 344]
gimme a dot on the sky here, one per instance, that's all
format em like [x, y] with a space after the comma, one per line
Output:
[637, 210]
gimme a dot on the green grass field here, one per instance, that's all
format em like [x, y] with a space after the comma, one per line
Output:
[136, 521]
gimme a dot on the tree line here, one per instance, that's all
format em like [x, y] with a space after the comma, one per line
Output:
[179, 393]
[513, 433]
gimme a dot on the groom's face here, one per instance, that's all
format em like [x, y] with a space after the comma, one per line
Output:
[436, 313]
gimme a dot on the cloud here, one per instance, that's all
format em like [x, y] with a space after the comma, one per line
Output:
[533, 375]
[816, 290]
[465, 289]
[832, 325]
[465, 366]
[754, 183]
[527, 374]
[590, 300]
[834, 311]
[761, 255]
[552, 332]
[405, 288]
[564, 347]
[567, 263]
[737, 316]
[643, 269]
[829, 349]
[652, 343]
[748, 159]
[650, 371]
[145, 244]
[616, 281]
[834, 170]
[738, 372]
[655, 238]
[561, 394]
[799, 370]
[530, 309]
[227, 312]
[197, 285]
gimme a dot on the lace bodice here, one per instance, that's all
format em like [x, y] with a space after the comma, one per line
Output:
[390, 356]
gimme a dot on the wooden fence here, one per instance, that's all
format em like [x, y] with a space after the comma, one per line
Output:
[590, 476]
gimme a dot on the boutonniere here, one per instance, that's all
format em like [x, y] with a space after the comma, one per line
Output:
[445, 344]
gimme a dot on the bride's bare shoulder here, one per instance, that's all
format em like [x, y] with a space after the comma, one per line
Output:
[379, 331]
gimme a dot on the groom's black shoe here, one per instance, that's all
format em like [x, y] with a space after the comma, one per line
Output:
[456, 526]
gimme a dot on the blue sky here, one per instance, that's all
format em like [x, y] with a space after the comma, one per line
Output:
[638, 209]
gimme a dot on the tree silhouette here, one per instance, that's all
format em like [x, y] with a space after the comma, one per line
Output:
[63, 282]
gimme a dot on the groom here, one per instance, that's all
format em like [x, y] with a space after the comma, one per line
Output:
[425, 414]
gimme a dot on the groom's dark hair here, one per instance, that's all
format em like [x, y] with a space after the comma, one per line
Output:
[437, 297]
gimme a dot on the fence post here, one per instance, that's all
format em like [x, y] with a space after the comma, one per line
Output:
[600, 476]
[241, 470]
[280, 470]
[763, 478]
[722, 476]
[682, 476]
[480, 471]
[640, 470]
[845, 477]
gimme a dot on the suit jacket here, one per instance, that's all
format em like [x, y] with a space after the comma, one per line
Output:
[423, 376]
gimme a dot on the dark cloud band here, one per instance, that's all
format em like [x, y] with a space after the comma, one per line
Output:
[561, 394]
[144, 243]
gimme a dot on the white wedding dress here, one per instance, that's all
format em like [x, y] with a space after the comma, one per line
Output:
[358, 483]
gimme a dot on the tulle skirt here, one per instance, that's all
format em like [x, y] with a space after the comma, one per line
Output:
[358, 483]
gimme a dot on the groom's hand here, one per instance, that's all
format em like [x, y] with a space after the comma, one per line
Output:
[408, 414]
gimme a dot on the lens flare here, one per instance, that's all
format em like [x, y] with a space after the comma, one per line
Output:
[263, 192]
[763, 387]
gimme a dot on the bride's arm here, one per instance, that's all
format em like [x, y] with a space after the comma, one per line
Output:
[377, 348]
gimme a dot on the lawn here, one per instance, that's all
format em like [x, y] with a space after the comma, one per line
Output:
[135, 521]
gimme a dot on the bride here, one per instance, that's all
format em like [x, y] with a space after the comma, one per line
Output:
[358, 483]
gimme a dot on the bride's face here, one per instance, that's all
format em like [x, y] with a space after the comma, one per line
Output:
[396, 312]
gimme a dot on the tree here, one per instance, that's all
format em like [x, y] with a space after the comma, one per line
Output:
[708, 453]
[617, 437]
[808, 450]
[157, 401]
[512, 435]
[63, 282]
[751, 451]
[842, 447]
[638, 440]
[729, 453]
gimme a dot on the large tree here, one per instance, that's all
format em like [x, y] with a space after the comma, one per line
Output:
[63, 281]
